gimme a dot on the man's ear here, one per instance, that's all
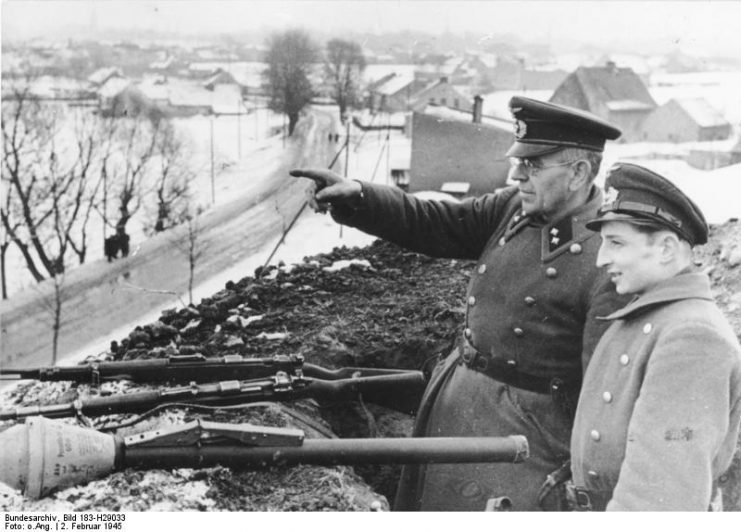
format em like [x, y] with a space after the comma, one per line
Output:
[582, 171]
[669, 246]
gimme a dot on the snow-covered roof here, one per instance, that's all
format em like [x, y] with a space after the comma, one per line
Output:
[112, 87]
[627, 105]
[496, 104]
[447, 113]
[102, 74]
[703, 114]
[395, 84]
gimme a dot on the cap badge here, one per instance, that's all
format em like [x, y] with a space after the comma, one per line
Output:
[611, 196]
[520, 129]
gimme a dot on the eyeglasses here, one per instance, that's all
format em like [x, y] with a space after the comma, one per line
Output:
[531, 168]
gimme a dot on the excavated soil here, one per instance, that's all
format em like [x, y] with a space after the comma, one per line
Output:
[387, 308]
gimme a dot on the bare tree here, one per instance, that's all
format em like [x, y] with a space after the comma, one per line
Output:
[52, 305]
[291, 56]
[191, 245]
[49, 180]
[344, 67]
[126, 167]
[27, 129]
[172, 180]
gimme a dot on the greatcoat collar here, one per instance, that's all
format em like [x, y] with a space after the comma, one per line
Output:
[683, 286]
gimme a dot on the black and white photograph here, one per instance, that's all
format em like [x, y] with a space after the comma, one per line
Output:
[385, 256]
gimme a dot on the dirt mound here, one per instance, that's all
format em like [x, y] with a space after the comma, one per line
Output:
[378, 306]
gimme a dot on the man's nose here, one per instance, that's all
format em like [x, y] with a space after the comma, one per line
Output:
[602, 257]
[518, 173]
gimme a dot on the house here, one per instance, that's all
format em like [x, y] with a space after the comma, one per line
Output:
[440, 92]
[219, 77]
[457, 151]
[395, 94]
[615, 94]
[686, 120]
[102, 75]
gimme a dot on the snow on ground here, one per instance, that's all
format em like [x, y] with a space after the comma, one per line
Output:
[239, 143]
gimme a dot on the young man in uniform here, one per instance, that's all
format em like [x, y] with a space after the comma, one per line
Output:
[531, 302]
[658, 415]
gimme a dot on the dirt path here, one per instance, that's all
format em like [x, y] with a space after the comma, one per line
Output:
[99, 296]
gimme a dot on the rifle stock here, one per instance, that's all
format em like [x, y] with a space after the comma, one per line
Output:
[183, 369]
[395, 391]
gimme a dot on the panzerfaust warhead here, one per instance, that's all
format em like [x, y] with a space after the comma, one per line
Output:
[42, 456]
[400, 391]
[183, 369]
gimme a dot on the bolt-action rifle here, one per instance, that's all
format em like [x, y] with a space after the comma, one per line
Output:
[400, 391]
[184, 369]
[43, 456]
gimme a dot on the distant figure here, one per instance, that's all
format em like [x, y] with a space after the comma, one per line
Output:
[115, 243]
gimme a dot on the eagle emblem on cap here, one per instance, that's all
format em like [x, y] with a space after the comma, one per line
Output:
[520, 129]
[611, 196]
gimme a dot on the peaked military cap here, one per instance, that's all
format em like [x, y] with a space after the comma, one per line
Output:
[544, 127]
[637, 195]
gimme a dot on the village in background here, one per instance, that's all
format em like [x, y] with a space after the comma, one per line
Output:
[442, 101]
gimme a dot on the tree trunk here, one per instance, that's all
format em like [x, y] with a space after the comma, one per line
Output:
[3, 249]
[292, 121]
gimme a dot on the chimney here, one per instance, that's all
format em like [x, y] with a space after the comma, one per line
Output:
[478, 104]
[611, 66]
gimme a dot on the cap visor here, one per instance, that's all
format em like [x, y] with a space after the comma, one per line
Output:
[522, 149]
[596, 224]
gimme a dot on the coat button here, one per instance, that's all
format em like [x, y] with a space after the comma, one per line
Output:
[595, 435]
[482, 268]
[512, 363]
[529, 301]
[592, 474]
[501, 241]
[607, 397]
[624, 359]
[551, 272]
[518, 331]
[647, 328]
[575, 248]
[467, 332]
[471, 301]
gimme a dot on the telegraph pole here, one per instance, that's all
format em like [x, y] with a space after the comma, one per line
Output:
[213, 187]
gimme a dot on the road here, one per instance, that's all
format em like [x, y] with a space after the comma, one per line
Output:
[100, 296]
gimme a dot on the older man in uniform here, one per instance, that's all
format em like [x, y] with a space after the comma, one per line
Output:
[531, 303]
[658, 416]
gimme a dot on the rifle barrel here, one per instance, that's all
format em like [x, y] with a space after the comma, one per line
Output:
[183, 369]
[387, 390]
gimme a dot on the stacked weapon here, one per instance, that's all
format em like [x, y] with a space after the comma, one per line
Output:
[392, 390]
[41, 456]
[188, 368]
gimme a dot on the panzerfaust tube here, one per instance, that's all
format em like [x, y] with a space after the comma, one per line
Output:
[451, 450]
[42, 456]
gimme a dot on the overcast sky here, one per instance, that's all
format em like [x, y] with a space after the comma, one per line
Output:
[697, 25]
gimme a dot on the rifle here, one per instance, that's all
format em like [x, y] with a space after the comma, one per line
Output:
[183, 369]
[400, 390]
[42, 456]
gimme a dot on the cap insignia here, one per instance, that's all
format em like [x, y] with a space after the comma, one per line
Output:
[520, 129]
[611, 196]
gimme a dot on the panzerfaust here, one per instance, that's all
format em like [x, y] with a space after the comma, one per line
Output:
[183, 369]
[42, 456]
[400, 391]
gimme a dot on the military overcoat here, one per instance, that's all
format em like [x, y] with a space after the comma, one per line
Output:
[531, 305]
[658, 415]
